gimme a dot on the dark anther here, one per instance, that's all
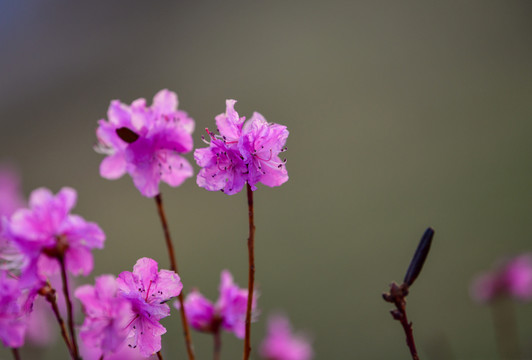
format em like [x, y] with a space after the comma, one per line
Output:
[127, 135]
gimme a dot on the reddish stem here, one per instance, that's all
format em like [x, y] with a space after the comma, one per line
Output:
[217, 344]
[173, 267]
[159, 355]
[49, 294]
[251, 274]
[70, 312]
[397, 296]
[505, 325]
[16, 354]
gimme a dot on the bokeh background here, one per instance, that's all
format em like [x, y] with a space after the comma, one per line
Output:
[402, 115]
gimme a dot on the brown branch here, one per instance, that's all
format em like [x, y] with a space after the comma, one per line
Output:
[70, 312]
[398, 293]
[397, 296]
[251, 274]
[217, 344]
[159, 355]
[173, 267]
[16, 354]
[49, 294]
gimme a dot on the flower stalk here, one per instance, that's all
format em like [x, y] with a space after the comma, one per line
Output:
[217, 337]
[251, 273]
[397, 294]
[49, 294]
[70, 312]
[173, 267]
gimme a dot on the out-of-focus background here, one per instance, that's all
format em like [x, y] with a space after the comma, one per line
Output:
[402, 115]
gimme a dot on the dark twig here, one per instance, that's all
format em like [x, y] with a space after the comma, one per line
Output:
[251, 274]
[397, 294]
[173, 267]
[16, 354]
[159, 355]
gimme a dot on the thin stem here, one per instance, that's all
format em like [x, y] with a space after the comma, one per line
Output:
[397, 297]
[159, 355]
[49, 295]
[407, 327]
[173, 267]
[217, 344]
[251, 274]
[506, 329]
[101, 357]
[16, 354]
[70, 312]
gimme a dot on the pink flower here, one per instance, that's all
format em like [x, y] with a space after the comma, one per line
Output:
[47, 230]
[123, 352]
[147, 289]
[107, 314]
[14, 308]
[243, 152]
[229, 312]
[41, 331]
[281, 344]
[145, 142]
[11, 197]
[511, 278]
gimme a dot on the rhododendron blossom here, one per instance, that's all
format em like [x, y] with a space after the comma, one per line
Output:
[511, 278]
[11, 199]
[145, 141]
[245, 151]
[147, 289]
[14, 308]
[107, 314]
[281, 344]
[229, 312]
[47, 230]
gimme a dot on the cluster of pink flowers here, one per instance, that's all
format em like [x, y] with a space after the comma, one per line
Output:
[146, 142]
[123, 314]
[245, 151]
[34, 241]
[129, 307]
[511, 278]
[228, 312]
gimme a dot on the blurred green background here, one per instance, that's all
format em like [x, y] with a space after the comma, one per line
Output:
[402, 115]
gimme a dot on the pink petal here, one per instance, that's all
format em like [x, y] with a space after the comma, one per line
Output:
[79, 260]
[229, 124]
[113, 166]
[165, 101]
[179, 169]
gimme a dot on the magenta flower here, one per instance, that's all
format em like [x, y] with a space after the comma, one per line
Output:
[147, 289]
[511, 278]
[41, 324]
[145, 142]
[47, 230]
[281, 344]
[123, 352]
[107, 314]
[14, 308]
[245, 151]
[11, 199]
[229, 312]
